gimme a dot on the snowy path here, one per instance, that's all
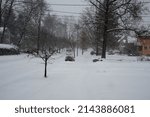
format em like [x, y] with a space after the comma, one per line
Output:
[118, 77]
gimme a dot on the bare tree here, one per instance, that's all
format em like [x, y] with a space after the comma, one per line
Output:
[31, 9]
[45, 55]
[89, 25]
[83, 41]
[116, 15]
[8, 5]
[49, 42]
[71, 34]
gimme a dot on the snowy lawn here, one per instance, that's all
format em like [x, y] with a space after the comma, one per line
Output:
[117, 77]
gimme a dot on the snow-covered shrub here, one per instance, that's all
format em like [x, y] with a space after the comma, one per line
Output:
[143, 58]
[6, 49]
[95, 60]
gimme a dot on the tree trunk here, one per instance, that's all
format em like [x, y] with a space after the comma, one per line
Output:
[6, 20]
[74, 52]
[0, 13]
[98, 33]
[82, 51]
[77, 50]
[104, 46]
[39, 29]
[97, 48]
[45, 73]
[3, 34]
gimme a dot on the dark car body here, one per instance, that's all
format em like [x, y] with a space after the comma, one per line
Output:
[69, 58]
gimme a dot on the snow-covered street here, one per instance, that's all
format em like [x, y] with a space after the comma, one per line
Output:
[117, 77]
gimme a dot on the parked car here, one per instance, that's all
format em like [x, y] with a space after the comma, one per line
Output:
[69, 58]
[92, 52]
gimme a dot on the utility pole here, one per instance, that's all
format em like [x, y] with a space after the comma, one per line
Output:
[77, 27]
[77, 39]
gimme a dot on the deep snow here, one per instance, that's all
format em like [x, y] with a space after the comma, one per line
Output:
[117, 77]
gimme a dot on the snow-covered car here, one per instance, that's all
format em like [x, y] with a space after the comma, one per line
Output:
[92, 52]
[69, 58]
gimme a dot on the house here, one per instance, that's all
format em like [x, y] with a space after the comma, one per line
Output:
[128, 46]
[143, 43]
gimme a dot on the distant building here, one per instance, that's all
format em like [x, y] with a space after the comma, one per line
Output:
[144, 45]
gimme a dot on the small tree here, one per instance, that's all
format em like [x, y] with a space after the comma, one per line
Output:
[45, 55]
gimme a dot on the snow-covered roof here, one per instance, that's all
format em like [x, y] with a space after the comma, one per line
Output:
[7, 46]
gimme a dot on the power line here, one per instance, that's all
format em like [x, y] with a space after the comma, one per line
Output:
[145, 16]
[145, 2]
[81, 13]
[66, 12]
[69, 5]
[54, 4]
[77, 4]
[64, 15]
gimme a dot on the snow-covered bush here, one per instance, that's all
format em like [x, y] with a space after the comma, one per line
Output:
[143, 58]
[6, 49]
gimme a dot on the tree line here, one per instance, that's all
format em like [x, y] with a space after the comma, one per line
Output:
[108, 21]
[31, 25]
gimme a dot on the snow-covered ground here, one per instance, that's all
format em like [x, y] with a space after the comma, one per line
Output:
[117, 77]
